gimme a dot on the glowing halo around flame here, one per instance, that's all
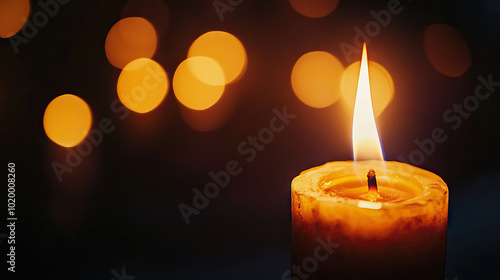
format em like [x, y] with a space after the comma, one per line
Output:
[366, 144]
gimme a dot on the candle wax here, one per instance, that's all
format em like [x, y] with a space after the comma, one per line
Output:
[400, 235]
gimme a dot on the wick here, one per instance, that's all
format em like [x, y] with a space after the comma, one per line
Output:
[372, 180]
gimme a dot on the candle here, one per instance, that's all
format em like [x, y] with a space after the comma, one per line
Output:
[368, 218]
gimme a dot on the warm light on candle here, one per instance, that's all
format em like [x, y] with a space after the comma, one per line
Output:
[365, 138]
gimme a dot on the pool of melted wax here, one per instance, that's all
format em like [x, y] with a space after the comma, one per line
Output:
[385, 194]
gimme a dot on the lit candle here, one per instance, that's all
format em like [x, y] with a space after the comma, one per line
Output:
[367, 218]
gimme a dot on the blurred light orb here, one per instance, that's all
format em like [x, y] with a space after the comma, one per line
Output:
[13, 16]
[142, 85]
[381, 86]
[192, 91]
[446, 50]
[314, 8]
[224, 48]
[155, 11]
[316, 79]
[207, 70]
[129, 39]
[67, 120]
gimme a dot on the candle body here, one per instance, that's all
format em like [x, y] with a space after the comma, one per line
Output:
[334, 237]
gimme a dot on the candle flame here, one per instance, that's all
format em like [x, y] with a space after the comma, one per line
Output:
[366, 143]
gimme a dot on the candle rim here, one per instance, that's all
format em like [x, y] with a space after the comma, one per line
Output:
[432, 185]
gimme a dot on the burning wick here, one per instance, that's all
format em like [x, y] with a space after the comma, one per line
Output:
[372, 180]
[372, 185]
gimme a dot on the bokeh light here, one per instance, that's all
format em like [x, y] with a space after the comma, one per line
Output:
[129, 39]
[207, 70]
[316, 79]
[381, 85]
[446, 50]
[67, 120]
[314, 8]
[155, 11]
[224, 48]
[13, 15]
[193, 92]
[142, 85]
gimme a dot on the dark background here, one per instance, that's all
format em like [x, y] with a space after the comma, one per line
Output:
[119, 208]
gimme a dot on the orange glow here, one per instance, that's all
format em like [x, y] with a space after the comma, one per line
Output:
[191, 91]
[224, 48]
[381, 86]
[142, 85]
[13, 15]
[446, 50]
[67, 120]
[314, 8]
[129, 39]
[155, 11]
[365, 138]
[316, 79]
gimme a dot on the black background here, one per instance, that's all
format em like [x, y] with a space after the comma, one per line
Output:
[119, 208]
